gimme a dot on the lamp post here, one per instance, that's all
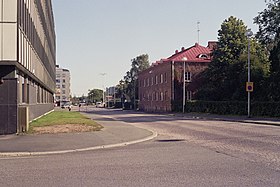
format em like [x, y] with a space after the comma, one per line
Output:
[248, 34]
[122, 93]
[133, 74]
[103, 94]
[184, 84]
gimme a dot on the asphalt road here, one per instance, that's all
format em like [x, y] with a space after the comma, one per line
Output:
[187, 152]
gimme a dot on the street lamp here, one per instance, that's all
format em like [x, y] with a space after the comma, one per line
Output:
[122, 93]
[134, 89]
[184, 84]
[103, 94]
[249, 87]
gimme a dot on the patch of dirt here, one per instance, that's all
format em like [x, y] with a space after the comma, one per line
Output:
[68, 128]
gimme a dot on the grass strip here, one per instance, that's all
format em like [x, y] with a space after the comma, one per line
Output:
[63, 118]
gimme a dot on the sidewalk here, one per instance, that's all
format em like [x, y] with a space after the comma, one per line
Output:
[111, 136]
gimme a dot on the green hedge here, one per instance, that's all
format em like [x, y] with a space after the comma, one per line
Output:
[271, 109]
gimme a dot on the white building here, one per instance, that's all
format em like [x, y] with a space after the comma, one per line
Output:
[63, 91]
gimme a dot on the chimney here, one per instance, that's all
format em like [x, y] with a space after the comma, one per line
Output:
[182, 49]
[176, 51]
[212, 45]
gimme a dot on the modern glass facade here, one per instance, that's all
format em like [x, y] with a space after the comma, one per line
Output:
[27, 61]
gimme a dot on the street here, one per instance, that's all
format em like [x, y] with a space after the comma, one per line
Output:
[187, 152]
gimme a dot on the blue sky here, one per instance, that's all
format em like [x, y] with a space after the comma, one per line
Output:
[102, 36]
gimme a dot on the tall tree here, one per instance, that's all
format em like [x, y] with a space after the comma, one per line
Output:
[274, 81]
[269, 33]
[218, 77]
[226, 76]
[95, 95]
[269, 24]
[138, 64]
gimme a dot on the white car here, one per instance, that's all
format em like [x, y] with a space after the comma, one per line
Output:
[99, 104]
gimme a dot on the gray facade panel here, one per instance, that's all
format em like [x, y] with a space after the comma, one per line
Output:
[38, 110]
[8, 106]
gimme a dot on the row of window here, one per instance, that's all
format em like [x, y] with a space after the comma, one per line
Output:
[155, 96]
[58, 86]
[162, 78]
[162, 96]
[62, 92]
[58, 81]
[157, 79]
[58, 75]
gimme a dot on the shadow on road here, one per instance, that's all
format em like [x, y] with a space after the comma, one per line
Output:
[136, 116]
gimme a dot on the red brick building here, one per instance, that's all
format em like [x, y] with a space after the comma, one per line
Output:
[161, 86]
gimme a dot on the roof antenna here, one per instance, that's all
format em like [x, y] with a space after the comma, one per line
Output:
[198, 30]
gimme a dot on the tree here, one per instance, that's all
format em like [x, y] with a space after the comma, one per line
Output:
[226, 76]
[269, 24]
[138, 64]
[95, 95]
[274, 80]
[218, 77]
[269, 34]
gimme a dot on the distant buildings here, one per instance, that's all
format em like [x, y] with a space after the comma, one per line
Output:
[162, 86]
[63, 92]
[27, 62]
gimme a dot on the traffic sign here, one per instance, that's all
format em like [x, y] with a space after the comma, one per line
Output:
[249, 86]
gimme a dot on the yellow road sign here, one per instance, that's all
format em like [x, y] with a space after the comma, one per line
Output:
[249, 86]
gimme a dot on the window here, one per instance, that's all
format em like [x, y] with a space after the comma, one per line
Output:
[157, 96]
[161, 96]
[57, 81]
[203, 56]
[63, 80]
[165, 77]
[161, 78]
[154, 96]
[63, 86]
[165, 95]
[188, 76]
[156, 78]
[152, 82]
[189, 95]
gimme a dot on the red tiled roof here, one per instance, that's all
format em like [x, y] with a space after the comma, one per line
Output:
[196, 53]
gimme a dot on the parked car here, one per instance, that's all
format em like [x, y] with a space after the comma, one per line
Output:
[99, 104]
[66, 105]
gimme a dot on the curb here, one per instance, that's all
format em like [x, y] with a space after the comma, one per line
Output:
[240, 121]
[21, 154]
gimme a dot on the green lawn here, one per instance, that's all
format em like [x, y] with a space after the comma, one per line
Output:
[62, 118]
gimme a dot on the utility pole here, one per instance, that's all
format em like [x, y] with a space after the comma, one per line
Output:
[198, 31]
